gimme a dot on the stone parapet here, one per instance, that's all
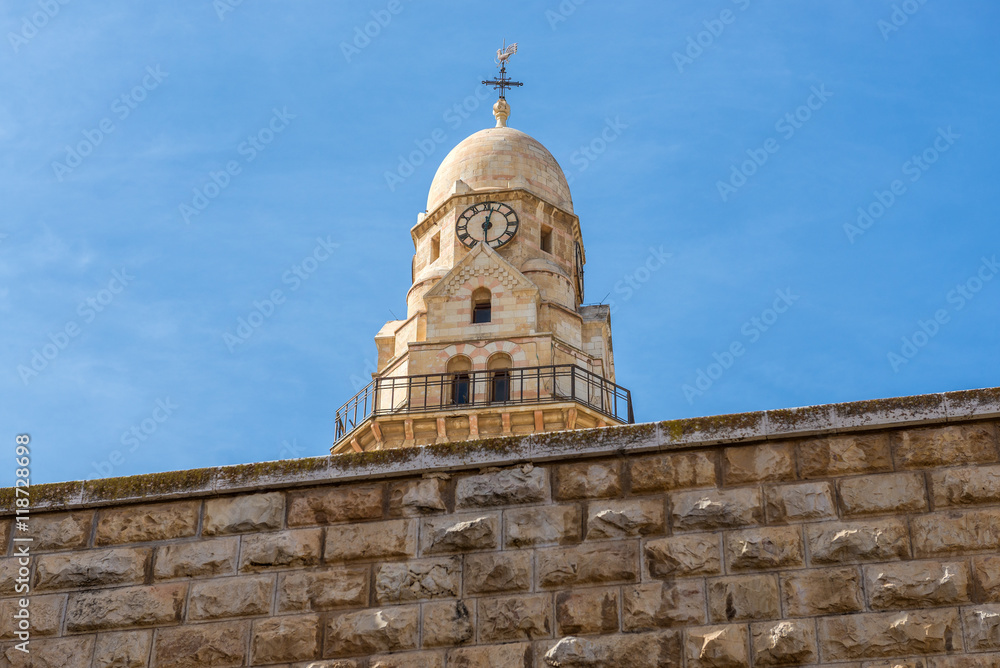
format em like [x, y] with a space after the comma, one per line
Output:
[857, 535]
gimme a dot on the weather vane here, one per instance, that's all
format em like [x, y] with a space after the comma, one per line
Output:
[502, 82]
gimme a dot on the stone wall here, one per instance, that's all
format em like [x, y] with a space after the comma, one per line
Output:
[861, 535]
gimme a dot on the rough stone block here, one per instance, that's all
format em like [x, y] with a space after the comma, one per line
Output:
[404, 660]
[587, 611]
[417, 497]
[231, 597]
[158, 521]
[846, 542]
[524, 484]
[588, 564]
[515, 618]
[511, 655]
[542, 525]
[717, 647]
[588, 480]
[743, 597]
[844, 455]
[764, 548]
[799, 502]
[93, 568]
[946, 446]
[625, 518]
[954, 532]
[323, 590]
[916, 584]
[986, 570]
[785, 643]
[636, 650]
[982, 627]
[716, 509]
[758, 463]
[123, 649]
[400, 582]
[460, 533]
[124, 607]
[240, 514]
[60, 531]
[371, 540]
[678, 556]
[875, 635]
[372, 631]
[447, 624]
[46, 614]
[53, 653]
[822, 591]
[668, 472]
[294, 638]
[663, 604]
[966, 486]
[285, 549]
[887, 493]
[327, 505]
[198, 559]
[219, 645]
[991, 660]
[495, 572]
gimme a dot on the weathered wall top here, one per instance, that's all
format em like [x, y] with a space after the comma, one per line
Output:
[650, 437]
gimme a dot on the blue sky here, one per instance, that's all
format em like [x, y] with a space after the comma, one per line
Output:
[165, 169]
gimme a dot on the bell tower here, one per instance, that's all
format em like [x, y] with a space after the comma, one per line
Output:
[496, 339]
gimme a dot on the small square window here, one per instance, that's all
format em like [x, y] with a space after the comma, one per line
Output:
[546, 243]
[435, 247]
[481, 313]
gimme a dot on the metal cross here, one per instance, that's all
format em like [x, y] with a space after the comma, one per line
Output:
[502, 82]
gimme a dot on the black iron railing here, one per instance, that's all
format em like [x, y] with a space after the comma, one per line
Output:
[476, 389]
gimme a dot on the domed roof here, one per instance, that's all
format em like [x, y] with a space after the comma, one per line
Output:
[501, 157]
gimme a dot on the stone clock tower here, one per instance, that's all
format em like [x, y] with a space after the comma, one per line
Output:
[496, 339]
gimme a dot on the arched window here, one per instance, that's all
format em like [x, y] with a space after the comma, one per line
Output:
[459, 368]
[482, 303]
[499, 366]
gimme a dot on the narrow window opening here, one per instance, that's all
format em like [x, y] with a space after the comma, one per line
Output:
[499, 367]
[435, 247]
[460, 367]
[547, 239]
[482, 306]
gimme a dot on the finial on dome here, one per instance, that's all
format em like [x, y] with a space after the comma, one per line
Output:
[501, 111]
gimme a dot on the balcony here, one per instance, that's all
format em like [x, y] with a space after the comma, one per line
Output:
[503, 391]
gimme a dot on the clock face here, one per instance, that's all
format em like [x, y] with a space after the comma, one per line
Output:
[579, 270]
[492, 222]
